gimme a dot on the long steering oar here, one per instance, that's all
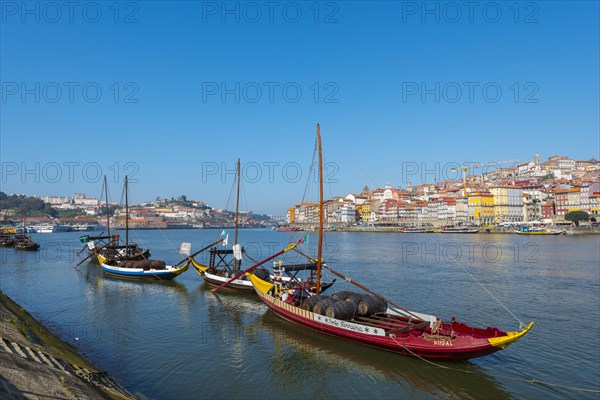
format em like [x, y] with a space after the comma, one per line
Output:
[91, 255]
[198, 252]
[290, 247]
[347, 279]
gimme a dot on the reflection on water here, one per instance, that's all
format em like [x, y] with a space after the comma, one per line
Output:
[176, 340]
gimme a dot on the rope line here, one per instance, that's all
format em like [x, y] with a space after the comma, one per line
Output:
[521, 324]
[529, 380]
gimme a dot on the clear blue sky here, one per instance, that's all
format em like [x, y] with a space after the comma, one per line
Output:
[370, 61]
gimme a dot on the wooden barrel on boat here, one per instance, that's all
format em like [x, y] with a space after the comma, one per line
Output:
[158, 264]
[370, 305]
[355, 297]
[309, 303]
[342, 295]
[261, 272]
[344, 310]
[321, 305]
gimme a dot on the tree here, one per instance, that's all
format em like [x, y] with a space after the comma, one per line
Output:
[577, 216]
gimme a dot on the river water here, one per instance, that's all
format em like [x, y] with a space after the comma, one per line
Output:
[176, 340]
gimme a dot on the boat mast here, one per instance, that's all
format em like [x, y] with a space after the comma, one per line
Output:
[320, 248]
[237, 206]
[107, 215]
[126, 218]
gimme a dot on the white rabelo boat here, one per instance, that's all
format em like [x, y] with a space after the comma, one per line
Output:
[369, 318]
[121, 265]
[225, 263]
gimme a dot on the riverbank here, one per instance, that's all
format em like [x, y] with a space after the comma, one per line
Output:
[582, 230]
[35, 363]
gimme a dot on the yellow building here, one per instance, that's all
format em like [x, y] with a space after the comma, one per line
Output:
[291, 215]
[500, 203]
[481, 208]
[365, 210]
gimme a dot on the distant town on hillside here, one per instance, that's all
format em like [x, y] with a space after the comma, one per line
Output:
[530, 192]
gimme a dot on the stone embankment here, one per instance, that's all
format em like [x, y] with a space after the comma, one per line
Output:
[36, 364]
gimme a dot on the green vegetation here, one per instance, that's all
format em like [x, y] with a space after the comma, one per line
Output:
[20, 203]
[577, 216]
[70, 213]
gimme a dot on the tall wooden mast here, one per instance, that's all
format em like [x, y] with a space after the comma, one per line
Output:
[107, 215]
[126, 218]
[237, 209]
[320, 249]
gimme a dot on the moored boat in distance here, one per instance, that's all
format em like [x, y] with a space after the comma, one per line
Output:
[285, 228]
[21, 240]
[459, 229]
[48, 228]
[25, 243]
[372, 319]
[121, 264]
[538, 231]
[7, 236]
[82, 227]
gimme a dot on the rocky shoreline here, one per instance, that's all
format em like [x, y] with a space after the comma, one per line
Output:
[37, 364]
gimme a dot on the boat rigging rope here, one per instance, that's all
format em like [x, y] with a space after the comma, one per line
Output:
[521, 324]
[552, 386]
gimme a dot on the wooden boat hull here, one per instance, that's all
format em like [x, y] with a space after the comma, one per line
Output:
[7, 243]
[139, 273]
[545, 233]
[217, 280]
[26, 247]
[418, 344]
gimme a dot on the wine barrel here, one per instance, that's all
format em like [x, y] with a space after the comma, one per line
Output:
[321, 305]
[355, 297]
[261, 273]
[370, 305]
[310, 302]
[158, 264]
[342, 295]
[344, 310]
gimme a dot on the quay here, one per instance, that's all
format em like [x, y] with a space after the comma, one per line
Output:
[35, 363]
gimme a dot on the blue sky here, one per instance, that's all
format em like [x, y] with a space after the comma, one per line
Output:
[188, 87]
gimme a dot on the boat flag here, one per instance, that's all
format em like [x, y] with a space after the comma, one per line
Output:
[225, 240]
[237, 252]
[186, 248]
[304, 239]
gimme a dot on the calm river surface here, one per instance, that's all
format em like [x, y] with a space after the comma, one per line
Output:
[176, 340]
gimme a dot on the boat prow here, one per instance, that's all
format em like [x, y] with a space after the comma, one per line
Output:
[510, 337]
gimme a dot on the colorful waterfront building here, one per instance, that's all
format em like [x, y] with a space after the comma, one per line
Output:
[481, 208]
[291, 215]
[508, 203]
[567, 200]
[365, 211]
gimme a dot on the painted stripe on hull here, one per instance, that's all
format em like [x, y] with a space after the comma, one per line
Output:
[216, 281]
[138, 273]
[160, 277]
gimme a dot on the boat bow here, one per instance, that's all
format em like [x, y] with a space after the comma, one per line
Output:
[510, 337]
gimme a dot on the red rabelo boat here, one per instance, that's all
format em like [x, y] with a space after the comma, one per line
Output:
[371, 319]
